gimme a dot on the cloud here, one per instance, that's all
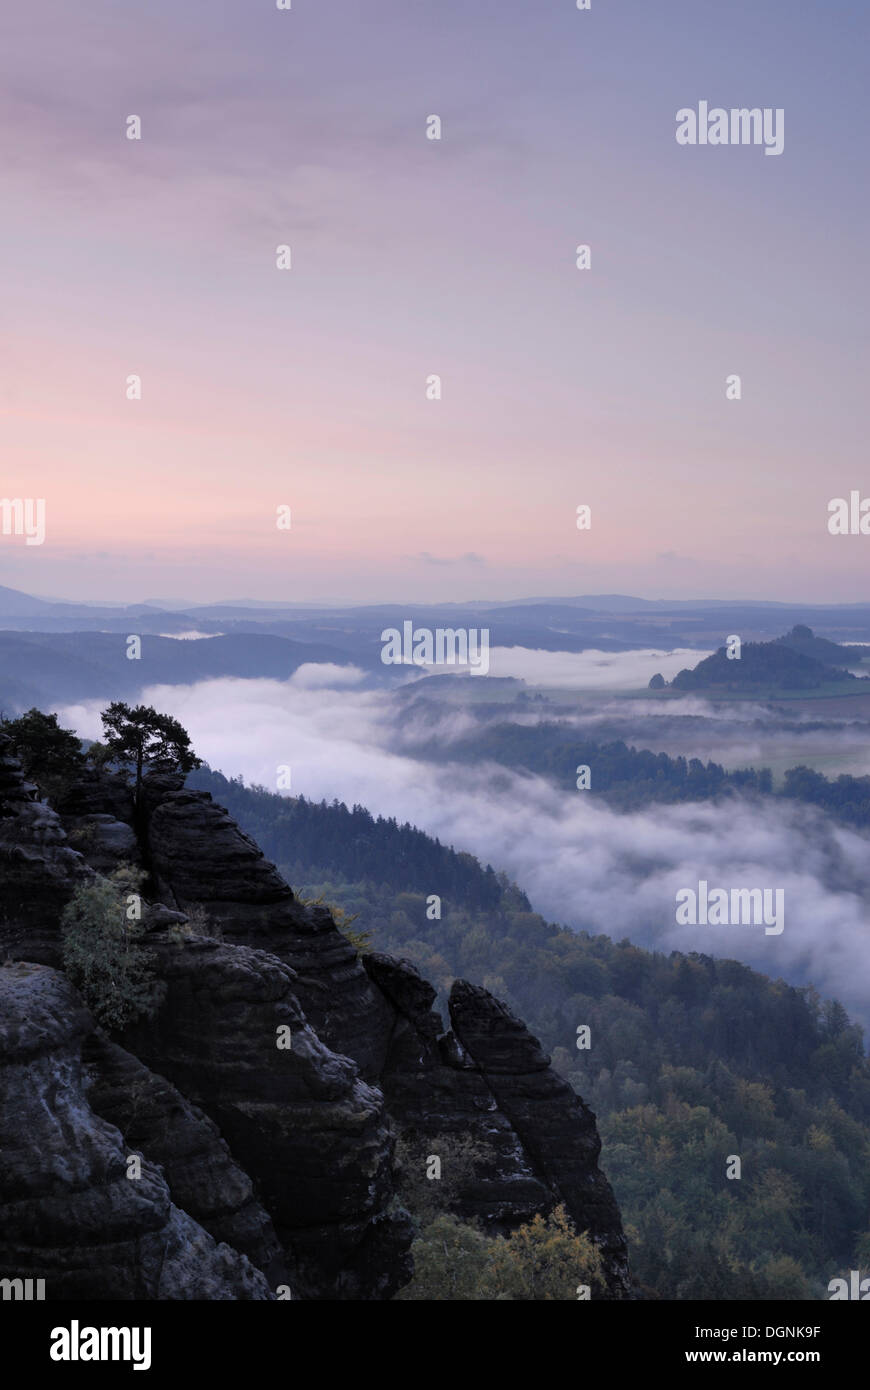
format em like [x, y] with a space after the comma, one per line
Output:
[580, 863]
[671, 557]
[325, 676]
[590, 670]
[735, 734]
[469, 558]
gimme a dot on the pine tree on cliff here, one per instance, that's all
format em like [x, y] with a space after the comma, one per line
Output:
[145, 740]
[50, 756]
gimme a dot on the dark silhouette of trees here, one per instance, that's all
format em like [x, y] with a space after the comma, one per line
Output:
[51, 757]
[145, 740]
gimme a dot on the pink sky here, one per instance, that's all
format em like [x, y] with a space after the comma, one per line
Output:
[410, 257]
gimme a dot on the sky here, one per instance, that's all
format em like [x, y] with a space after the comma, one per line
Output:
[306, 388]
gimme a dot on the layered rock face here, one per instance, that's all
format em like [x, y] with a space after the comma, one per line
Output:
[204, 1180]
[298, 1117]
[97, 815]
[436, 1093]
[267, 1095]
[485, 1080]
[38, 868]
[557, 1130]
[69, 1212]
[204, 864]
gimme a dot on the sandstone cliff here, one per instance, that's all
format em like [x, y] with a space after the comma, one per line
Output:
[264, 1166]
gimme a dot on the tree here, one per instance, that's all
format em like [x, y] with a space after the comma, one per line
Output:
[360, 940]
[103, 954]
[460, 1157]
[147, 740]
[785, 1279]
[98, 755]
[450, 1263]
[50, 756]
[544, 1260]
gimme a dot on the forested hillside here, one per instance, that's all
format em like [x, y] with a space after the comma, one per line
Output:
[625, 776]
[691, 1059]
[351, 844]
[797, 661]
[802, 639]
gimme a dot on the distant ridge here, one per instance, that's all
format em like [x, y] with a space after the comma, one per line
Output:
[18, 603]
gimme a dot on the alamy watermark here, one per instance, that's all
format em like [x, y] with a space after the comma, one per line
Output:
[849, 516]
[26, 1290]
[23, 516]
[76, 1343]
[856, 1288]
[740, 125]
[737, 907]
[446, 646]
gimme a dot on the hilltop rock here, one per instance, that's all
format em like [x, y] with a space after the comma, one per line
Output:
[98, 794]
[489, 1080]
[557, 1130]
[472, 1082]
[262, 1163]
[780, 665]
[434, 1091]
[206, 866]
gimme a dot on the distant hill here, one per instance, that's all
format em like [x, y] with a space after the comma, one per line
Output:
[14, 604]
[802, 639]
[47, 669]
[763, 666]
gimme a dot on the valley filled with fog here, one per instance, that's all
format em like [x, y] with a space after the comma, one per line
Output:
[582, 863]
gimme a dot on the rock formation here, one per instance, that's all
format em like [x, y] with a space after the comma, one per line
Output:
[203, 1179]
[69, 1212]
[38, 868]
[266, 1096]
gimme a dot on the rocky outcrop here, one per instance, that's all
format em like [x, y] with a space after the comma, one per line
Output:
[486, 1081]
[266, 1095]
[69, 1212]
[437, 1095]
[556, 1129]
[38, 868]
[298, 1118]
[204, 1180]
[97, 813]
[98, 794]
[103, 842]
[205, 865]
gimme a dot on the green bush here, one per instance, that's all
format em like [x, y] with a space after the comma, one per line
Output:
[545, 1260]
[103, 954]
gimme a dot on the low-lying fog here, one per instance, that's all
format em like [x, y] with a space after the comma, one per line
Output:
[580, 863]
